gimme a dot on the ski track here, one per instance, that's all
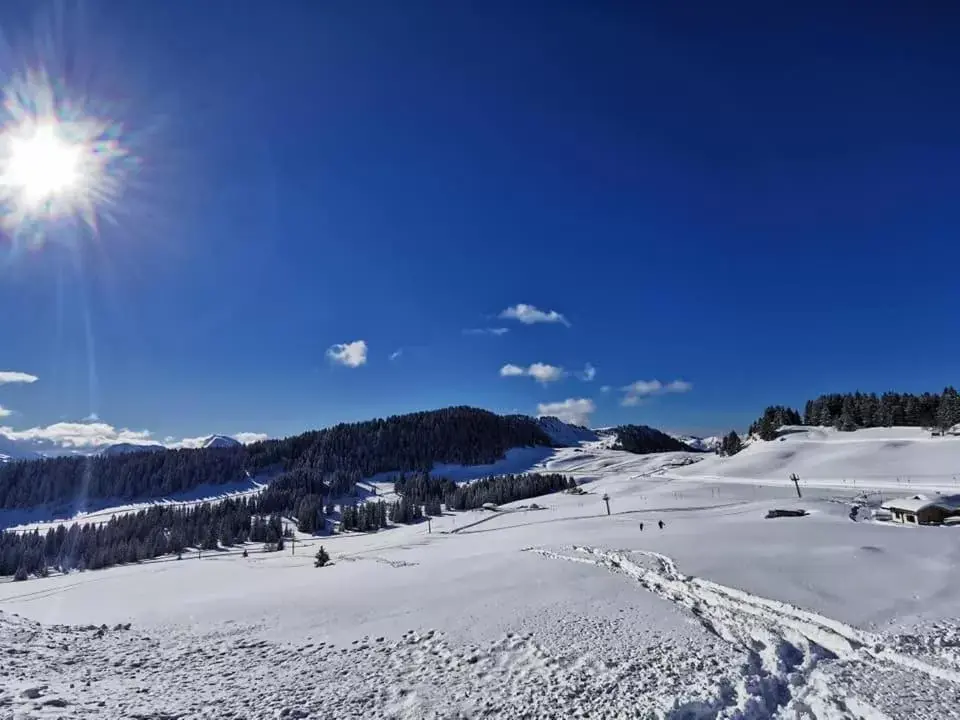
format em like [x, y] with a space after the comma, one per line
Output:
[792, 654]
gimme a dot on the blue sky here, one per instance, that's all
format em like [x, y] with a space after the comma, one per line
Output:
[759, 202]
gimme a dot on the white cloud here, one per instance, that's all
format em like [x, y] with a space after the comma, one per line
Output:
[349, 354]
[589, 373]
[487, 331]
[541, 372]
[5, 412]
[11, 376]
[186, 443]
[635, 392]
[248, 438]
[91, 436]
[605, 389]
[76, 435]
[528, 315]
[396, 353]
[572, 410]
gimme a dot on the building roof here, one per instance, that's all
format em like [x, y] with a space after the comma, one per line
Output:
[916, 503]
[908, 504]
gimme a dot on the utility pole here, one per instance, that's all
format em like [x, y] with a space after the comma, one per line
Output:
[293, 545]
[429, 530]
[606, 499]
[795, 479]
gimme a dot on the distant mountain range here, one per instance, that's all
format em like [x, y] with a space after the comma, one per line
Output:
[13, 451]
[214, 441]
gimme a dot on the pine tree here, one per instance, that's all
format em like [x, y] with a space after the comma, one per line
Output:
[321, 558]
[847, 422]
[731, 444]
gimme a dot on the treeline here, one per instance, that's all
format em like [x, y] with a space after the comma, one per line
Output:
[862, 410]
[159, 530]
[423, 489]
[338, 456]
[66, 480]
[417, 441]
[642, 439]
[852, 411]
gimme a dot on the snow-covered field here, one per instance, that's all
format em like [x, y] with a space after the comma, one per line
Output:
[559, 612]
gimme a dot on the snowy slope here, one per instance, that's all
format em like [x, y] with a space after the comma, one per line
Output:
[543, 613]
[555, 612]
[565, 434]
[877, 457]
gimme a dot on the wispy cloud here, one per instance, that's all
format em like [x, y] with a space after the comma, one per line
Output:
[634, 393]
[487, 331]
[529, 315]
[576, 411]
[396, 354]
[605, 389]
[541, 372]
[5, 412]
[589, 373]
[351, 355]
[11, 376]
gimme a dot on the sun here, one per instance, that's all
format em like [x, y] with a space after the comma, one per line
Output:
[58, 162]
[43, 165]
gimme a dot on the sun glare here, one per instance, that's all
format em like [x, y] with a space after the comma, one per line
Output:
[42, 165]
[57, 162]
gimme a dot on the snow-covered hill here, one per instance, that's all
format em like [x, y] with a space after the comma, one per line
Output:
[897, 457]
[565, 434]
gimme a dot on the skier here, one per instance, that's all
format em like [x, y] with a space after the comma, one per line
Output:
[641, 527]
[660, 523]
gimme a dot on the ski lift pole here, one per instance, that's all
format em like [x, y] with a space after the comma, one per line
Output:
[606, 500]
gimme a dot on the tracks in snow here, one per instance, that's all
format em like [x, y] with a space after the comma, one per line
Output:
[786, 647]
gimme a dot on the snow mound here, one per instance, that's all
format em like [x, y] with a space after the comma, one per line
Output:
[565, 434]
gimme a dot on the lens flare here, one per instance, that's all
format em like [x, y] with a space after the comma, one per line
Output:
[58, 163]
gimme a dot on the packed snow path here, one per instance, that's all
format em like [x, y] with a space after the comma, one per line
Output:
[794, 657]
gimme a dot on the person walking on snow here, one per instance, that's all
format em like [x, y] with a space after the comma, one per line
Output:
[641, 527]
[660, 523]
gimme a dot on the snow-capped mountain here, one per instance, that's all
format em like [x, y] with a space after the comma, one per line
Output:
[126, 448]
[10, 451]
[565, 434]
[221, 441]
[703, 444]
